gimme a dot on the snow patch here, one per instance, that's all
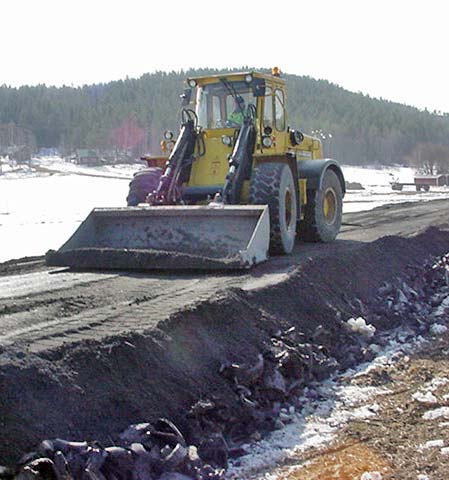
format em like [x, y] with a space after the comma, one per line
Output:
[354, 395]
[315, 426]
[359, 325]
[438, 329]
[424, 397]
[371, 476]
[377, 188]
[437, 382]
[442, 308]
[45, 211]
[436, 413]
[319, 422]
[433, 443]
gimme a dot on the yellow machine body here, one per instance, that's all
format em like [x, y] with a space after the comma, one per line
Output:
[235, 235]
[210, 169]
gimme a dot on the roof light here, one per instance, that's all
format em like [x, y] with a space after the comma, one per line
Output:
[192, 83]
[248, 78]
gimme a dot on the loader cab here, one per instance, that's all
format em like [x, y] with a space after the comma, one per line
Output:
[263, 95]
[214, 102]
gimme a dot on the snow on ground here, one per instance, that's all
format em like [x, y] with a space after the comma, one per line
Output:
[112, 171]
[328, 406]
[42, 204]
[39, 213]
[40, 209]
[334, 403]
[377, 190]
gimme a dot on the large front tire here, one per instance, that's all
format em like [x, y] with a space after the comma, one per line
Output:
[273, 184]
[143, 183]
[323, 212]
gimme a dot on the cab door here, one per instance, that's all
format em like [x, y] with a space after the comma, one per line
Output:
[274, 122]
[280, 122]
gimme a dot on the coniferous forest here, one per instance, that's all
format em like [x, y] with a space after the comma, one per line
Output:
[131, 114]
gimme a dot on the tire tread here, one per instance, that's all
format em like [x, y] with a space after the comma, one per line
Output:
[143, 183]
[264, 190]
[312, 229]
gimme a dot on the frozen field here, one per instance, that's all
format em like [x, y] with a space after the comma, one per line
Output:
[39, 213]
[41, 207]
[377, 190]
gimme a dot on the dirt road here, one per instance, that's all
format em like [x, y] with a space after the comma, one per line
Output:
[46, 308]
[84, 354]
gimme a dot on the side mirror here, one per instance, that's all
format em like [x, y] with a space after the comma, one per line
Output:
[186, 97]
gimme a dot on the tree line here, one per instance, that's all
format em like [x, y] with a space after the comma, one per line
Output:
[131, 115]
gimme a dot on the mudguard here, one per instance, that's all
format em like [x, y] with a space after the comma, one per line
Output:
[313, 171]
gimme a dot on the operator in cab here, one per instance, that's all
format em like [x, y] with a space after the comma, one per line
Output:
[235, 118]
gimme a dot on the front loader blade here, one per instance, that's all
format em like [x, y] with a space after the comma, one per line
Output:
[168, 237]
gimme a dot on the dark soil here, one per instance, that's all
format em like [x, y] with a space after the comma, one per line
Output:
[95, 389]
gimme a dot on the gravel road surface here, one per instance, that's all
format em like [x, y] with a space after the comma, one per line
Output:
[82, 355]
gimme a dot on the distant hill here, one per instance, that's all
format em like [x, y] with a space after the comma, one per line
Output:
[133, 113]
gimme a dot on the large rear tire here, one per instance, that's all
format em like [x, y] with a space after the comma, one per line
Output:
[143, 183]
[323, 212]
[272, 184]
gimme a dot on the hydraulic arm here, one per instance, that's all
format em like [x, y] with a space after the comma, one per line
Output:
[240, 162]
[168, 191]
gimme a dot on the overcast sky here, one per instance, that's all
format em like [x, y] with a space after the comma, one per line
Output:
[394, 49]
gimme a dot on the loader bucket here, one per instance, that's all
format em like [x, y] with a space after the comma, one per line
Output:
[168, 237]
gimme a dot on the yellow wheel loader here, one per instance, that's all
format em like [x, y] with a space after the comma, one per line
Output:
[237, 184]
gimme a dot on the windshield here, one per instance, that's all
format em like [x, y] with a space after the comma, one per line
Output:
[217, 107]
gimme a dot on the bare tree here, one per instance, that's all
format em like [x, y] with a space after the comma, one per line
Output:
[429, 158]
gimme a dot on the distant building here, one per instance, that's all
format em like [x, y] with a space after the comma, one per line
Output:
[48, 152]
[85, 156]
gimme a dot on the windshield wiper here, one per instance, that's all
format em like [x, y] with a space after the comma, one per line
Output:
[230, 88]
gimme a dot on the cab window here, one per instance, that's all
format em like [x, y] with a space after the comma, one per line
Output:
[279, 110]
[268, 108]
[215, 103]
[230, 105]
[216, 112]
